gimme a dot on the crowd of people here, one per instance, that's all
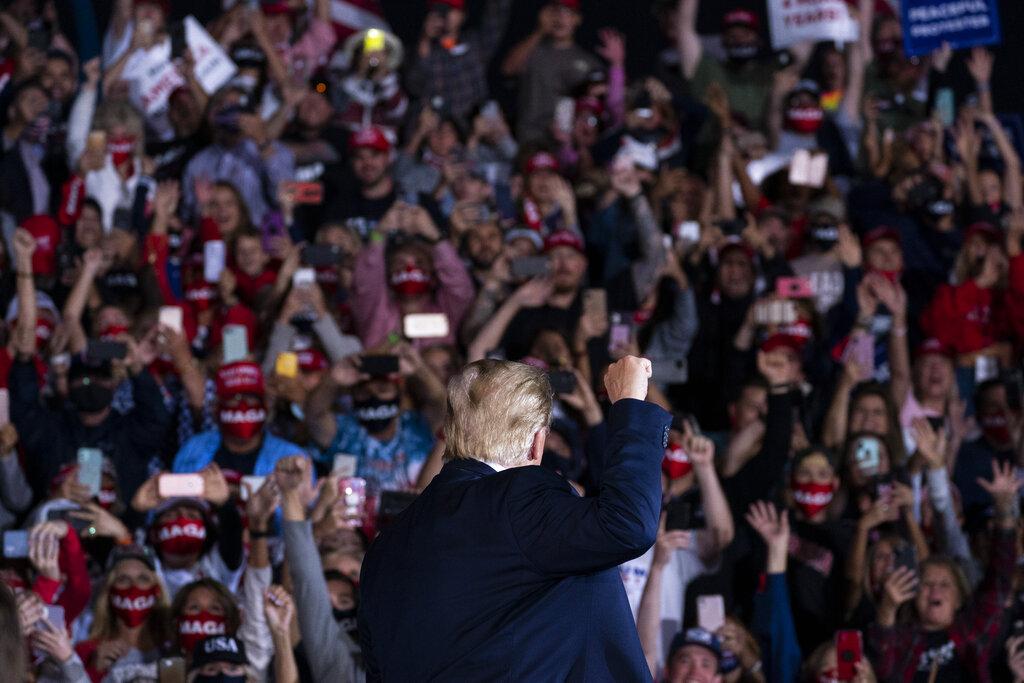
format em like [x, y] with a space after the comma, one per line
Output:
[230, 314]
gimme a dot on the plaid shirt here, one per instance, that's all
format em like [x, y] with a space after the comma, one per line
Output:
[974, 632]
[459, 75]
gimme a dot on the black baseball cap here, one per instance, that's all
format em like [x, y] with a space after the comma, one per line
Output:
[218, 649]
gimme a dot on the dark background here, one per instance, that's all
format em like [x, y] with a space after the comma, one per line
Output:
[644, 40]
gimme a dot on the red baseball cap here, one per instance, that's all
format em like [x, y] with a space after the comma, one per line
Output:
[240, 377]
[46, 234]
[574, 5]
[454, 4]
[541, 161]
[272, 8]
[312, 360]
[781, 340]
[933, 346]
[369, 138]
[985, 229]
[564, 238]
[741, 17]
[881, 232]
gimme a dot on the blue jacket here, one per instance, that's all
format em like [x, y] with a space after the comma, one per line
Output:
[511, 575]
[198, 452]
[772, 625]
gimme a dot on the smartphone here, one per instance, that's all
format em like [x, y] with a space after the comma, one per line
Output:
[685, 513]
[985, 368]
[562, 381]
[565, 112]
[905, 557]
[16, 544]
[595, 303]
[775, 312]
[170, 670]
[304, 277]
[98, 350]
[794, 288]
[670, 370]
[866, 455]
[90, 469]
[75, 523]
[214, 257]
[619, 331]
[352, 492]
[861, 350]
[687, 232]
[526, 267]
[287, 364]
[55, 615]
[177, 34]
[425, 326]
[236, 343]
[171, 316]
[710, 612]
[180, 485]
[379, 366]
[344, 465]
[319, 255]
[945, 106]
[5, 406]
[254, 482]
[306, 193]
[849, 651]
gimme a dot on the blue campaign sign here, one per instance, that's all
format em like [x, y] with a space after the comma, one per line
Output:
[961, 23]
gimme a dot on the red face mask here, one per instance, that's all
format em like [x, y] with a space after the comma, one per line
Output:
[996, 427]
[676, 463]
[194, 627]
[111, 332]
[812, 498]
[244, 420]
[121, 149]
[181, 536]
[133, 605]
[411, 281]
[893, 276]
[804, 120]
[106, 498]
[201, 296]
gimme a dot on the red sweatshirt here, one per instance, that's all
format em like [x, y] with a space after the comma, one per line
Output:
[73, 593]
[965, 317]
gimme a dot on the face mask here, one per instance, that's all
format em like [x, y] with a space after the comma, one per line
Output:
[676, 463]
[106, 498]
[825, 233]
[133, 605]
[112, 332]
[37, 130]
[346, 618]
[410, 282]
[804, 120]
[181, 536]
[812, 498]
[376, 414]
[996, 428]
[246, 82]
[893, 276]
[121, 149]
[201, 296]
[90, 397]
[194, 627]
[219, 678]
[244, 420]
[741, 53]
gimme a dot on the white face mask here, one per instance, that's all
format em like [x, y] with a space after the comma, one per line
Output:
[246, 82]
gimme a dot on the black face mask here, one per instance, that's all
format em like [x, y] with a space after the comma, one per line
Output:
[824, 234]
[219, 678]
[741, 53]
[91, 397]
[376, 414]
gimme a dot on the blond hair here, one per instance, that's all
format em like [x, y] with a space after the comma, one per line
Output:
[494, 409]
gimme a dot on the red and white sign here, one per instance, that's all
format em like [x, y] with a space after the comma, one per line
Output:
[793, 21]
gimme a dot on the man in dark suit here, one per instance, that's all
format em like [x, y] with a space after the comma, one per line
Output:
[500, 570]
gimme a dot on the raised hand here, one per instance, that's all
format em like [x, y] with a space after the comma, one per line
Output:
[533, 293]
[899, 587]
[101, 523]
[1003, 487]
[931, 444]
[627, 378]
[262, 503]
[215, 486]
[612, 47]
[770, 524]
[53, 640]
[700, 450]
[44, 548]
[668, 542]
[279, 608]
[979, 63]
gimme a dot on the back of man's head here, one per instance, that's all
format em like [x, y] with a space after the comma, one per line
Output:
[494, 409]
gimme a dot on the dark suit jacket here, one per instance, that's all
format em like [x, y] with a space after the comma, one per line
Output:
[511, 576]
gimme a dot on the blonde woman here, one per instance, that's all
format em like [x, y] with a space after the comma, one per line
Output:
[130, 624]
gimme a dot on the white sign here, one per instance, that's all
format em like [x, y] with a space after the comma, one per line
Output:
[152, 77]
[213, 66]
[793, 21]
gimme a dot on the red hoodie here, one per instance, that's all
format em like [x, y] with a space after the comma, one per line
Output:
[965, 317]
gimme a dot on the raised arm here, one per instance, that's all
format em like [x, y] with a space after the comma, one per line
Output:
[648, 616]
[1011, 176]
[531, 294]
[517, 58]
[688, 42]
[25, 332]
[561, 533]
[719, 533]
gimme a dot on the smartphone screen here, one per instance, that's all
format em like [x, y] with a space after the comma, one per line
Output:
[180, 485]
[213, 260]
[710, 612]
[90, 469]
[236, 343]
[171, 317]
[16, 544]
